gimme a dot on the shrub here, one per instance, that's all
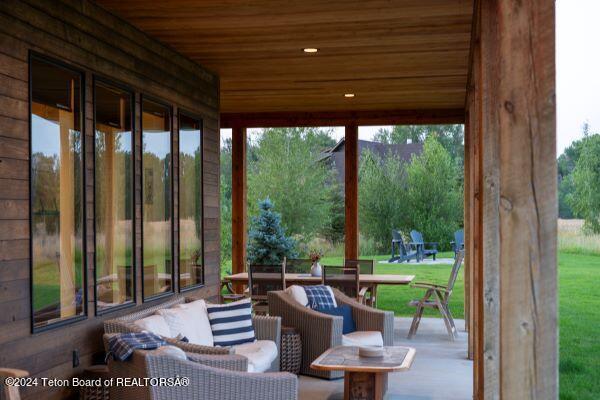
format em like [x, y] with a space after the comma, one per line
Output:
[382, 194]
[434, 194]
[267, 243]
[586, 180]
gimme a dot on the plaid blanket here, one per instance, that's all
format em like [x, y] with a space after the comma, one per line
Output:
[319, 296]
[122, 345]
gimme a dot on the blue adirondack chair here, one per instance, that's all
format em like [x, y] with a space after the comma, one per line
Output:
[459, 242]
[404, 253]
[424, 249]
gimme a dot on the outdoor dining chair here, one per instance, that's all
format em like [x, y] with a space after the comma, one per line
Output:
[298, 265]
[365, 267]
[263, 279]
[437, 297]
[345, 279]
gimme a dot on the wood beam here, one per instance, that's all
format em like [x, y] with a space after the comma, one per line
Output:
[239, 207]
[528, 201]
[490, 193]
[475, 231]
[467, 236]
[343, 118]
[351, 191]
[518, 314]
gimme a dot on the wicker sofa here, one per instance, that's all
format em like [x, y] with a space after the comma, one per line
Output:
[265, 328]
[211, 377]
[320, 332]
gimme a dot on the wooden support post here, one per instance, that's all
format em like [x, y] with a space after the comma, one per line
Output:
[238, 202]
[489, 284]
[475, 270]
[467, 235]
[518, 355]
[351, 191]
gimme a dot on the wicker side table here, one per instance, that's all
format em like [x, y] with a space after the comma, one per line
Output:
[95, 392]
[291, 350]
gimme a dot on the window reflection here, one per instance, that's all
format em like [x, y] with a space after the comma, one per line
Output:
[156, 193]
[190, 202]
[56, 194]
[113, 197]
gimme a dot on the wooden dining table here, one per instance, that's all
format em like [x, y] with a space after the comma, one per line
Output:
[365, 280]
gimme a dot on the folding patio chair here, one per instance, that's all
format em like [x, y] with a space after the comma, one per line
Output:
[459, 241]
[437, 297]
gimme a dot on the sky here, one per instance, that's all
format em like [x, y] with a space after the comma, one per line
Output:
[577, 69]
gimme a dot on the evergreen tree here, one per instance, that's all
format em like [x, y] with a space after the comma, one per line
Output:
[267, 243]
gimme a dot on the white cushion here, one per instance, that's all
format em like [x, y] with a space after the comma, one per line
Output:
[171, 351]
[260, 354]
[198, 310]
[190, 321]
[298, 294]
[155, 324]
[363, 338]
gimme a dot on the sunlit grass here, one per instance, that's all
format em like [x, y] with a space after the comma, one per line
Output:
[572, 239]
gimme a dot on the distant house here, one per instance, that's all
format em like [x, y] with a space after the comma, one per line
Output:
[335, 155]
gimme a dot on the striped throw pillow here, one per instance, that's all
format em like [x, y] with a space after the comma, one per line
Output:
[231, 324]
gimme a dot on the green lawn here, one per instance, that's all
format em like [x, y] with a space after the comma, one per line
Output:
[579, 320]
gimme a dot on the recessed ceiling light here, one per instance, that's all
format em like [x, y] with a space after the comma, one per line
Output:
[310, 50]
[349, 95]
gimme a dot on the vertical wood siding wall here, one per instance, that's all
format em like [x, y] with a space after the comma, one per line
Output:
[84, 35]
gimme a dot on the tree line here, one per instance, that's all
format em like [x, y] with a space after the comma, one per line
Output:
[285, 165]
[579, 181]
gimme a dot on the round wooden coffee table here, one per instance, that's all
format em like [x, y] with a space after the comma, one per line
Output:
[365, 378]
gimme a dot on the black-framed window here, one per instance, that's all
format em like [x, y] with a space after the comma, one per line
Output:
[191, 251]
[157, 199]
[57, 193]
[113, 196]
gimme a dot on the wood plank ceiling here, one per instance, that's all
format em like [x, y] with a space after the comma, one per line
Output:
[393, 55]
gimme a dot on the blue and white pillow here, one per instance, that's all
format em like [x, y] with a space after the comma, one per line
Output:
[231, 324]
[320, 296]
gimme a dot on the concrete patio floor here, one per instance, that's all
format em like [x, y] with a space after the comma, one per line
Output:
[440, 371]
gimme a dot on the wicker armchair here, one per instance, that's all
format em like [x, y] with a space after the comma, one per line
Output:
[320, 332]
[211, 377]
[265, 328]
